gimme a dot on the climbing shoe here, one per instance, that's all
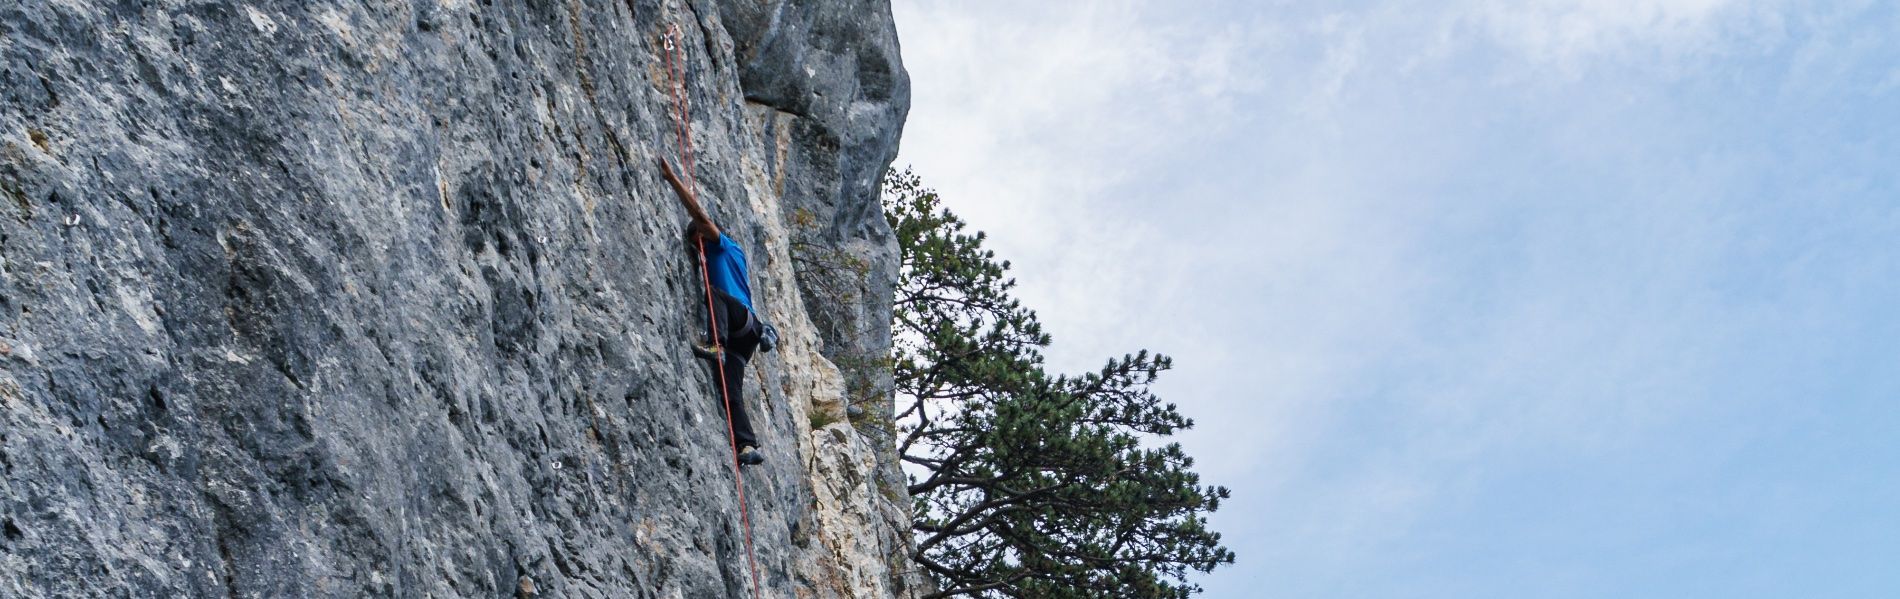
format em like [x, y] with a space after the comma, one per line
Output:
[750, 456]
[707, 352]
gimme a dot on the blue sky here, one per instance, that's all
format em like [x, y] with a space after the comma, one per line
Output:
[1470, 298]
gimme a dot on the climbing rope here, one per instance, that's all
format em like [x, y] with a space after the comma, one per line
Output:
[674, 61]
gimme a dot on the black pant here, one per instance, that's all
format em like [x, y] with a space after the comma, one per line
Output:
[739, 335]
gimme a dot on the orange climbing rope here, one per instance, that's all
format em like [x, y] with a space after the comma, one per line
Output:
[682, 115]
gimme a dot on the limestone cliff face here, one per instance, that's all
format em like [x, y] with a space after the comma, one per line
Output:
[327, 298]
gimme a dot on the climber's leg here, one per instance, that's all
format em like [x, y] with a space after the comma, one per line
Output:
[739, 341]
[734, 368]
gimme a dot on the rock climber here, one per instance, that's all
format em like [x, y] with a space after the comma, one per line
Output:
[741, 331]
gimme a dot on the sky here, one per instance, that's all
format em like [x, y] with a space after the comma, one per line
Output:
[1468, 298]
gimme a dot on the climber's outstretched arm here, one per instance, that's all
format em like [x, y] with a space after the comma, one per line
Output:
[701, 223]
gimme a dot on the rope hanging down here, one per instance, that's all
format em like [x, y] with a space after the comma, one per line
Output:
[674, 67]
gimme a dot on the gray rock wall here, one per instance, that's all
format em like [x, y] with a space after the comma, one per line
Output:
[327, 298]
[830, 75]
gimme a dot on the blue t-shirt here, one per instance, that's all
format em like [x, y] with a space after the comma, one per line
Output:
[725, 264]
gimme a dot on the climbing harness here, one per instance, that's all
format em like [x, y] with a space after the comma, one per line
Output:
[682, 114]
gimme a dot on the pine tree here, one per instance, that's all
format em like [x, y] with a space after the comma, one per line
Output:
[1028, 484]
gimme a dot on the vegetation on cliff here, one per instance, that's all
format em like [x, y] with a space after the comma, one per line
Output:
[1027, 483]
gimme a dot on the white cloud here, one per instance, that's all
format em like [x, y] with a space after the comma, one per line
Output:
[1572, 29]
